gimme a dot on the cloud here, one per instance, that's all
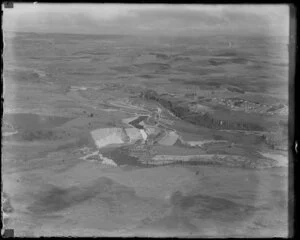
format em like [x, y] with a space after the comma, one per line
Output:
[141, 18]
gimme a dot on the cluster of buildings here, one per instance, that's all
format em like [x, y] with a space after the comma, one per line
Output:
[241, 104]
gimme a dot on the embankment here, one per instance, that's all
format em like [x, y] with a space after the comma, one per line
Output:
[204, 119]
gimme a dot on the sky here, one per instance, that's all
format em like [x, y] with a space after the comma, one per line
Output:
[153, 19]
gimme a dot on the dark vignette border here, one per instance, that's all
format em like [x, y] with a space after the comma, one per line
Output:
[292, 119]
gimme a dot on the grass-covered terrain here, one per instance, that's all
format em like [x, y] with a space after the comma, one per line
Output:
[116, 134]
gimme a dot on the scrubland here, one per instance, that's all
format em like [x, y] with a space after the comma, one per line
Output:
[117, 135]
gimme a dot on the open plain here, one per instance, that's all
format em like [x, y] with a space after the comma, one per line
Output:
[109, 135]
